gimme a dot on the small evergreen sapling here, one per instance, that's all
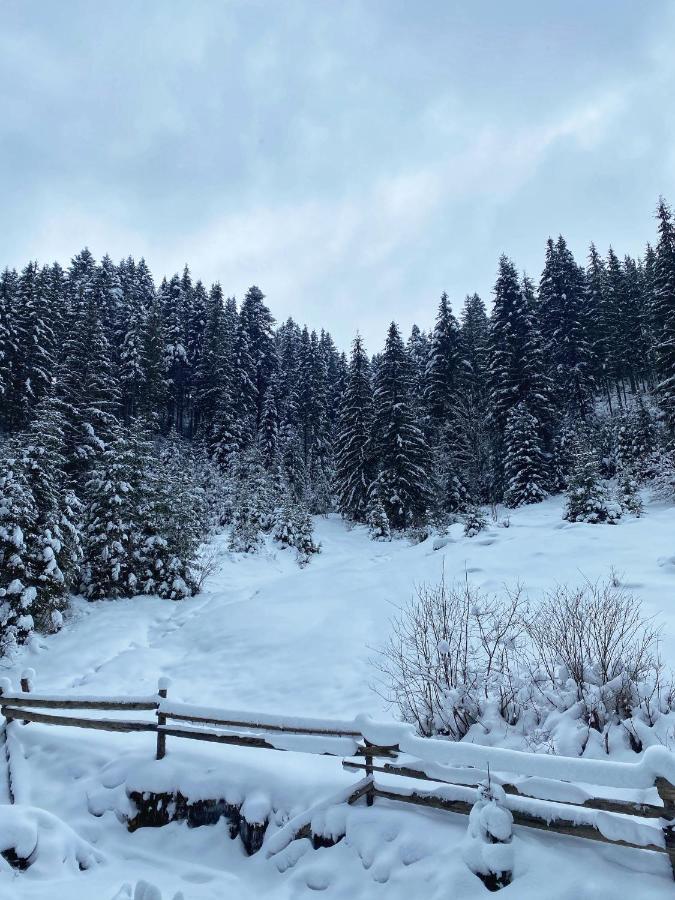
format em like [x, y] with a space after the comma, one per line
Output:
[474, 521]
[628, 493]
[378, 521]
[304, 542]
[586, 496]
[488, 848]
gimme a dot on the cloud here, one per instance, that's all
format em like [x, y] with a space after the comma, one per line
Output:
[353, 163]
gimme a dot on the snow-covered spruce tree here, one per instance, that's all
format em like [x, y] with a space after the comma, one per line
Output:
[563, 324]
[18, 518]
[474, 521]
[56, 537]
[443, 365]
[488, 849]
[173, 511]
[664, 314]
[113, 526]
[637, 440]
[377, 520]
[255, 326]
[285, 523]
[587, 498]
[468, 439]
[441, 390]
[628, 492]
[8, 283]
[516, 372]
[87, 382]
[404, 482]
[354, 463]
[253, 503]
[33, 359]
[524, 463]
[304, 537]
[598, 321]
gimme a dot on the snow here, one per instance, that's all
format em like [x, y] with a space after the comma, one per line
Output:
[296, 644]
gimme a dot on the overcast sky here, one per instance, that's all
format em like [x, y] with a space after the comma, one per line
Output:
[354, 159]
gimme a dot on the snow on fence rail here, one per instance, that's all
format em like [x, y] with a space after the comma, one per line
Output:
[550, 792]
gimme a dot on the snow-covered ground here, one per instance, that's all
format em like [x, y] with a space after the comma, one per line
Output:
[267, 636]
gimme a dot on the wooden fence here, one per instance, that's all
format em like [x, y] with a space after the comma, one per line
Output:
[451, 787]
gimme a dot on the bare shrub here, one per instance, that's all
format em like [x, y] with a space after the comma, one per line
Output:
[595, 640]
[209, 563]
[450, 652]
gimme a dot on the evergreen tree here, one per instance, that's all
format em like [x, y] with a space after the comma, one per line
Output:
[56, 534]
[172, 510]
[355, 463]
[442, 371]
[664, 314]
[30, 354]
[257, 353]
[8, 283]
[586, 496]
[377, 519]
[175, 297]
[516, 373]
[154, 381]
[18, 518]
[113, 524]
[403, 482]
[87, 384]
[524, 463]
[564, 326]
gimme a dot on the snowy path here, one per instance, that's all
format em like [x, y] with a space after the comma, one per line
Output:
[268, 636]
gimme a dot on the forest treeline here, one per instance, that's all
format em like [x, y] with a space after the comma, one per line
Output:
[136, 416]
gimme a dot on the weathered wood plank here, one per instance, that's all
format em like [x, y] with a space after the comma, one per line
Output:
[554, 823]
[624, 807]
[53, 702]
[75, 721]
[260, 725]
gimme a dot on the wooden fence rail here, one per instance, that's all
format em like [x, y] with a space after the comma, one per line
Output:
[456, 785]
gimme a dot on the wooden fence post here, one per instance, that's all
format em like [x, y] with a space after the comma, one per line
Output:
[370, 796]
[667, 794]
[27, 677]
[162, 689]
[6, 688]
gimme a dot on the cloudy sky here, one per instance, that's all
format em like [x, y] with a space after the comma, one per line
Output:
[352, 157]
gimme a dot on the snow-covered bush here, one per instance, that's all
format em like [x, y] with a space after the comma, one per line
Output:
[488, 848]
[451, 656]
[587, 498]
[418, 534]
[475, 521]
[597, 654]
[581, 670]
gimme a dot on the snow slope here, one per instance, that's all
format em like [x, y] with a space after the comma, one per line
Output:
[269, 637]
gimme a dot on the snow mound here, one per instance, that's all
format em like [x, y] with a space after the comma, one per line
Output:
[35, 839]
